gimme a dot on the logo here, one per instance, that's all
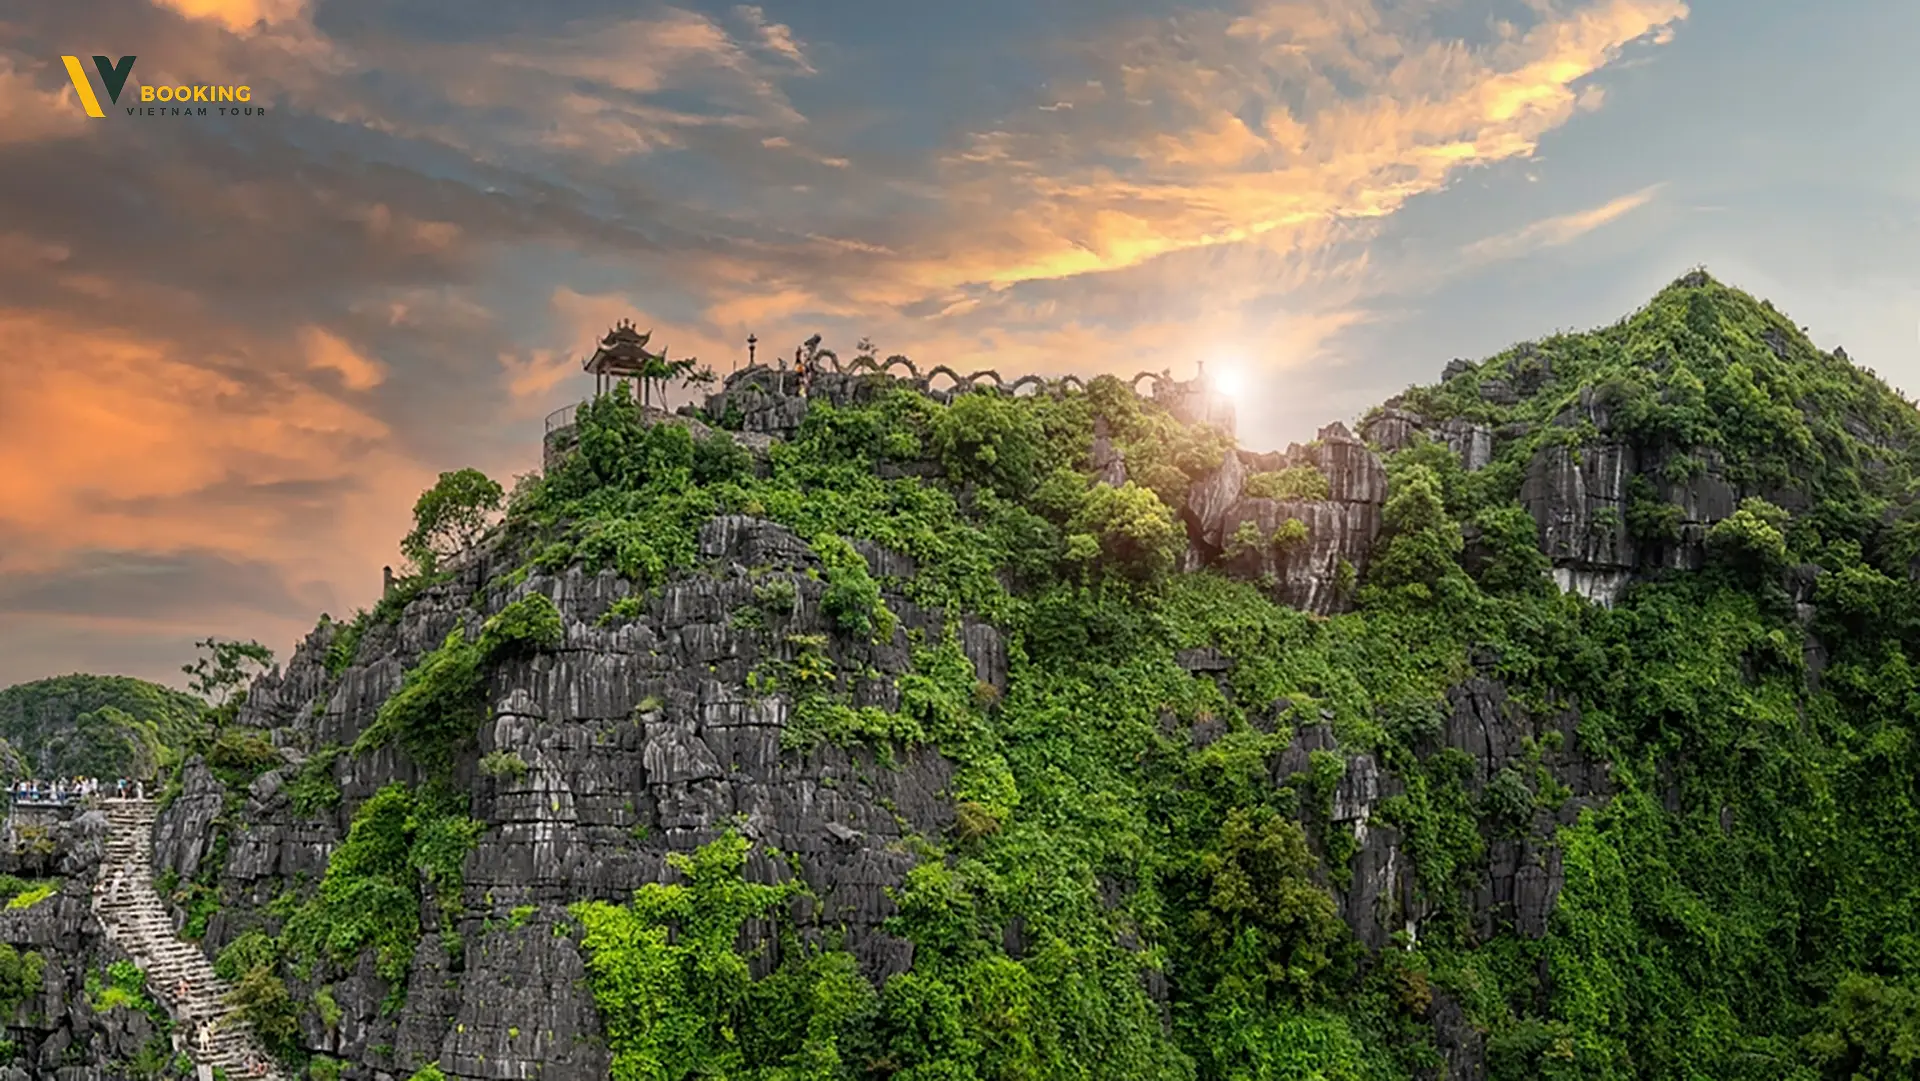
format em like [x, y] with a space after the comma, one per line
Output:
[112, 76]
[183, 100]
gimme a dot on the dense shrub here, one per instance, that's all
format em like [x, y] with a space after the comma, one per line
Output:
[441, 703]
[1736, 904]
[1303, 481]
[400, 841]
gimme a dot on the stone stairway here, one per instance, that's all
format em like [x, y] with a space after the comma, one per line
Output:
[136, 920]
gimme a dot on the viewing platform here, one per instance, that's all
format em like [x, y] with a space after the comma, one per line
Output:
[772, 400]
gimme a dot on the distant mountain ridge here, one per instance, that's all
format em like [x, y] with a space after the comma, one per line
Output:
[95, 726]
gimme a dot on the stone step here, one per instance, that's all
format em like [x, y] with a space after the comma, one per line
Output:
[138, 922]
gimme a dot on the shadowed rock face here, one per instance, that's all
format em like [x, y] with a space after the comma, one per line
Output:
[640, 739]
[1580, 491]
[57, 1033]
[1580, 496]
[1517, 888]
[1340, 529]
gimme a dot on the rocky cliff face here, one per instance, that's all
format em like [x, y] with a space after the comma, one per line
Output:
[1340, 529]
[648, 729]
[1580, 486]
[640, 737]
[64, 1027]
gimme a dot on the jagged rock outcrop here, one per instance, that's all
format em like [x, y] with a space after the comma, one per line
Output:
[1582, 485]
[640, 737]
[1581, 494]
[1109, 461]
[62, 1031]
[1497, 735]
[1394, 428]
[1340, 529]
[645, 731]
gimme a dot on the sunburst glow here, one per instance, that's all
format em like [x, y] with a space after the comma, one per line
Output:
[1227, 377]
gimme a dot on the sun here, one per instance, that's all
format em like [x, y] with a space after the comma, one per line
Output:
[1226, 378]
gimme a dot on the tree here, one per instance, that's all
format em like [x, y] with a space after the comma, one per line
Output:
[1420, 543]
[1751, 541]
[991, 440]
[1872, 1029]
[1512, 561]
[450, 517]
[1131, 527]
[226, 667]
[658, 370]
[1262, 928]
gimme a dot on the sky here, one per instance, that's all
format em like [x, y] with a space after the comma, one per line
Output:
[233, 350]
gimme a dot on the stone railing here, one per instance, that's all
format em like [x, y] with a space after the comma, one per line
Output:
[828, 360]
[772, 401]
[563, 416]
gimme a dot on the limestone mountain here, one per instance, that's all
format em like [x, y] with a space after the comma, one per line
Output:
[1554, 721]
[95, 726]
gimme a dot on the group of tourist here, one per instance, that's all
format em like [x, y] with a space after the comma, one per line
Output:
[66, 789]
[203, 1029]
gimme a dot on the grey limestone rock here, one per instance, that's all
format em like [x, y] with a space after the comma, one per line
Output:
[1581, 495]
[1470, 442]
[639, 738]
[185, 827]
[1210, 501]
[1394, 428]
[1340, 529]
[1578, 498]
[1109, 461]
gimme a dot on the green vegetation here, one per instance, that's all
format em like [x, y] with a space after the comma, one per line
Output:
[124, 988]
[262, 999]
[400, 844]
[506, 764]
[27, 898]
[22, 976]
[224, 669]
[1294, 482]
[1132, 886]
[852, 599]
[313, 789]
[1765, 928]
[450, 517]
[441, 703]
[238, 756]
[11, 887]
[679, 1001]
[94, 726]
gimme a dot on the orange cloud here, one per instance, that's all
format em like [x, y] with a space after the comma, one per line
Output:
[408, 234]
[1070, 197]
[140, 448]
[330, 352]
[1203, 187]
[240, 16]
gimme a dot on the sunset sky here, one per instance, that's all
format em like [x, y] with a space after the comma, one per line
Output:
[233, 350]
